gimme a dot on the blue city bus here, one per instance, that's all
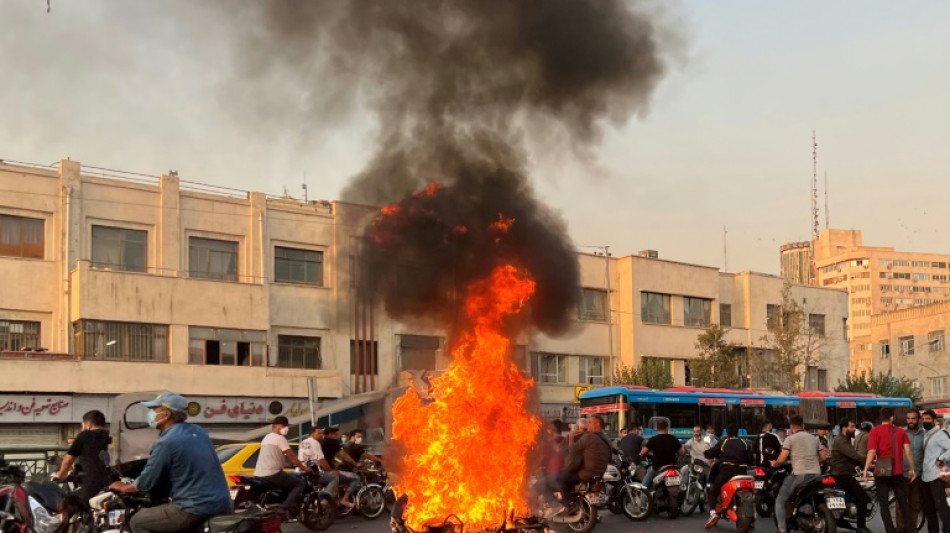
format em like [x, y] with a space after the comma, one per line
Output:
[687, 407]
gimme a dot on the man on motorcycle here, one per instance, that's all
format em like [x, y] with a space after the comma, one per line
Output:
[182, 465]
[665, 448]
[588, 458]
[844, 459]
[350, 457]
[91, 448]
[803, 448]
[734, 459]
[632, 443]
[311, 452]
[270, 465]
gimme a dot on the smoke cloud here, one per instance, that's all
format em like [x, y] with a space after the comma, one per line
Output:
[456, 86]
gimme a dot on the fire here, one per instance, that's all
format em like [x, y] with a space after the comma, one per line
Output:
[467, 445]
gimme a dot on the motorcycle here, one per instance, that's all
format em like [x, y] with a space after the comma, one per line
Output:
[370, 500]
[667, 493]
[694, 486]
[813, 505]
[317, 510]
[622, 493]
[737, 502]
[767, 484]
[27, 506]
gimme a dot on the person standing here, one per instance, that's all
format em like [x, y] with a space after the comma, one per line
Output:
[885, 443]
[915, 488]
[844, 460]
[270, 465]
[861, 437]
[803, 448]
[936, 461]
[91, 449]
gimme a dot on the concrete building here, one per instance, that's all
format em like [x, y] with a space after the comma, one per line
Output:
[798, 265]
[912, 343]
[879, 280]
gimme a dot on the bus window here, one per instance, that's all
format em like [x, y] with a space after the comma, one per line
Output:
[642, 413]
[868, 414]
[717, 415]
[752, 418]
[680, 415]
[781, 414]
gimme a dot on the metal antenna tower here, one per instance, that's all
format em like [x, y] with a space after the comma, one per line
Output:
[814, 186]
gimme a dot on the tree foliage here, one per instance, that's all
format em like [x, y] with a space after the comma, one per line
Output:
[653, 373]
[884, 384]
[716, 365]
[788, 348]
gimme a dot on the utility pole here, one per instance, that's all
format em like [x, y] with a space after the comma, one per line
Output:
[610, 328]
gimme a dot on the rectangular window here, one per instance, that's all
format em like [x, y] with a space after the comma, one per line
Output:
[696, 312]
[885, 262]
[228, 347]
[844, 327]
[938, 264]
[942, 278]
[97, 340]
[885, 349]
[592, 305]
[365, 357]
[591, 371]
[551, 368]
[16, 335]
[901, 263]
[295, 351]
[212, 259]
[921, 277]
[816, 324]
[655, 308]
[22, 237]
[907, 345]
[292, 265]
[119, 248]
[920, 264]
[725, 315]
[937, 341]
[938, 386]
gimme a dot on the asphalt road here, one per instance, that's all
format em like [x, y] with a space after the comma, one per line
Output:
[610, 523]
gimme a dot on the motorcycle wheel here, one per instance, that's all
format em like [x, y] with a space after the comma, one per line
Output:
[389, 497]
[587, 520]
[636, 504]
[672, 506]
[764, 506]
[744, 525]
[828, 517]
[371, 502]
[317, 514]
[694, 494]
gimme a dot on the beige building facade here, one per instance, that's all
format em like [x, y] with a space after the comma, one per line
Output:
[912, 343]
[878, 280]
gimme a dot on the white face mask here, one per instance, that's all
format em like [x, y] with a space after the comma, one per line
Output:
[284, 431]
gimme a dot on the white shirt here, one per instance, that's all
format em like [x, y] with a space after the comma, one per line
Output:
[271, 458]
[696, 448]
[310, 450]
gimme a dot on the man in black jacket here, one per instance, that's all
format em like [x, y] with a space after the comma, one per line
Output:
[844, 459]
[767, 447]
[734, 459]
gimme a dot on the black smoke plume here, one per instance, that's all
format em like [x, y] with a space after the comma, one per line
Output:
[456, 86]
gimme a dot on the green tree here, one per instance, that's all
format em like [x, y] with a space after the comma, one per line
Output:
[652, 372]
[886, 385]
[716, 365]
[788, 348]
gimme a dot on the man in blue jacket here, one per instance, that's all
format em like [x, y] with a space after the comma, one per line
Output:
[182, 465]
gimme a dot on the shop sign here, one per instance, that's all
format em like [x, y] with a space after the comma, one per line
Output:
[243, 410]
[27, 408]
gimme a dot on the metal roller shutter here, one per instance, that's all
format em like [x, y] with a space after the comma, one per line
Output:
[30, 435]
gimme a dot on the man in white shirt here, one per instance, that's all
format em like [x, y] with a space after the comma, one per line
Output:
[270, 465]
[311, 452]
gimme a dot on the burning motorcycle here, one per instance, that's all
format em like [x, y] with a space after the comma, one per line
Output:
[317, 510]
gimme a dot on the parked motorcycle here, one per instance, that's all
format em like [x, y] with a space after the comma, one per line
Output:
[694, 486]
[667, 493]
[811, 509]
[27, 506]
[317, 510]
[737, 502]
[767, 484]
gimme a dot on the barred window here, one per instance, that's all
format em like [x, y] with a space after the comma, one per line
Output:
[298, 352]
[212, 259]
[97, 340]
[298, 266]
[18, 335]
[21, 237]
[119, 248]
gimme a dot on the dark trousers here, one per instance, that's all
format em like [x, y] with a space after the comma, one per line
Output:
[851, 486]
[292, 485]
[726, 472]
[915, 492]
[898, 484]
[166, 518]
[933, 498]
[565, 483]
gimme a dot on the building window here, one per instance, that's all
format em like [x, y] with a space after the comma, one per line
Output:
[696, 312]
[592, 305]
[227, 347]
[655, 308]
[97, 340]
[938, 386]
[119, 248]
[937, 341]
[938, 264]
[844, 328]
[885, 349]
[298, 352]
[370, 363]
[907, 345]
[725, 315]
[901, 263]
[920, 264]
[921, 277]
[591, 370]
[551, 368]
[816, 324]
[292, 265]
[212, 259]
[21, 237]
[16, 335]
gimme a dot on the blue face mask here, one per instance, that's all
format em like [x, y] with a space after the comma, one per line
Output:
[152, 420]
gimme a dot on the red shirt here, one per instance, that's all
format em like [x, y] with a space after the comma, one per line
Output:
[880, 440]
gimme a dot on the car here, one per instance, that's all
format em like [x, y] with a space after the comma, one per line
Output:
[240, 459]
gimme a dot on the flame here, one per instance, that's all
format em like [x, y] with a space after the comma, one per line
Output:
[467, 447]
[502, 225]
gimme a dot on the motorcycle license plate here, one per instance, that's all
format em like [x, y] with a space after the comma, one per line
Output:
[759, 485]
[116, 517]
[671, 481]
[835, 503]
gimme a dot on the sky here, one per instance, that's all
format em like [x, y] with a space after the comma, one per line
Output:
[147, 87]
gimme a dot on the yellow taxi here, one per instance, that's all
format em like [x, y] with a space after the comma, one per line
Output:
[240, 459]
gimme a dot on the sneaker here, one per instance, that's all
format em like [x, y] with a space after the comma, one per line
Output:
[713, 519]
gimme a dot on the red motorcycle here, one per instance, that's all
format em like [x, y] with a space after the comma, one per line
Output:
[737, 503]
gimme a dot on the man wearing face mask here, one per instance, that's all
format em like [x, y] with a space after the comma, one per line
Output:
[270, 465]
[350, 456]
[182, 465]
[936, 460]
